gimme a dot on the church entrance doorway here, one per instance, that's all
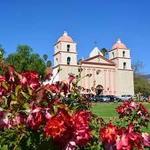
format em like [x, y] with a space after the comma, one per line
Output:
[99, 90]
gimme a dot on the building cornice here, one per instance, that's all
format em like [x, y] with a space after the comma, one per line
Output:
[63, 42]
[96, 66]
[97, 56]
[119, 58]
[65, 65]
[125, 69]
[118, 49]
[95, 63]
[64, 52]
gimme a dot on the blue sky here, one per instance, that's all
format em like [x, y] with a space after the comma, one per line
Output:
[39, 23]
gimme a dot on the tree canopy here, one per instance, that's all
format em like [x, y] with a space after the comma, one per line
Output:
[104, 51]
[2, 52]
[141, 84]
[24, 59]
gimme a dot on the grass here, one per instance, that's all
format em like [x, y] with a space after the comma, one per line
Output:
[107, 111]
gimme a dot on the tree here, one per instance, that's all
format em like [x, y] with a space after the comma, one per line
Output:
[45, 57]
[2, 52]
[48, 63]
[141, 84]
[104, 51]
[137, 66]
[24, 59]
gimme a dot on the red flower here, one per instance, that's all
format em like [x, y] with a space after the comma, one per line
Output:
[2, 79]
[35, 118]
[52, 88]
[143, 112]
[18, 120]
[128, 139]
[108, 134]
[64, 128]
[133, 105]
[82, 136]
[122, 143]
[134, 111]
[4, 121]
[81, 119]
[2, 91]
[57, 126]
[71, 78]
[30, 79]
[124, 109]
[47, 113]
[81, 127]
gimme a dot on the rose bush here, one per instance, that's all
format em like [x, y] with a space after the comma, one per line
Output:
[56, 116]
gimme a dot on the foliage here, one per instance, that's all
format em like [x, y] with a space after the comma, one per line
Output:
[24, 59]
[2, 52]
[126, 134]
[48, 62]
[133, 113]
[137, 66]
[141, 85]
[104, 52]
[56, 117]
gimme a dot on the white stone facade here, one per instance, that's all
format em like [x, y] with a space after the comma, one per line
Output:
[115, 74]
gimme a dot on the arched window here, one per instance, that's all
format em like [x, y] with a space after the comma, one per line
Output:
[56, 61]
[68, 60]
[123, 53]
[113, 55]
[68, 47]
[124, 65]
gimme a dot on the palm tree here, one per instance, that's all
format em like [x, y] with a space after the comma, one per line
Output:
[45, 57]
[48, 63]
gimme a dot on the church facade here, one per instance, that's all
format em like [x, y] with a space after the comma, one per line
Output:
[112, 76]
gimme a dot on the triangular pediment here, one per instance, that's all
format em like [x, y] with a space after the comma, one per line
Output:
[98, 59]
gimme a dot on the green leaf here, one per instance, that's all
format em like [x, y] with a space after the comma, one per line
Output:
[18, 87]
[4, 147]
[25, 95]
[4, 85]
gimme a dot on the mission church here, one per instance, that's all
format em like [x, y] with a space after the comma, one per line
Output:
[111, 76]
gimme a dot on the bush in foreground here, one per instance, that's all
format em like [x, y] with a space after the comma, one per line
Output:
[37, 116]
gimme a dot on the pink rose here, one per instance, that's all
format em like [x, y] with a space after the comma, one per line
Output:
[4, 120]
[35, 118]
[146, 139]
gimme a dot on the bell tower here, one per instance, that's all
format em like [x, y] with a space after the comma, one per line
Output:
[120, 55]
[65, 52]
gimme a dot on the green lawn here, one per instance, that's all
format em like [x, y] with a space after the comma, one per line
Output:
[107, 111]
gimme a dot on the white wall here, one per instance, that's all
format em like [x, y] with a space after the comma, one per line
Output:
[61, 57]
[62, 46]
[71, 55]
[124, 82]
[121, 62]
[119, 53]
